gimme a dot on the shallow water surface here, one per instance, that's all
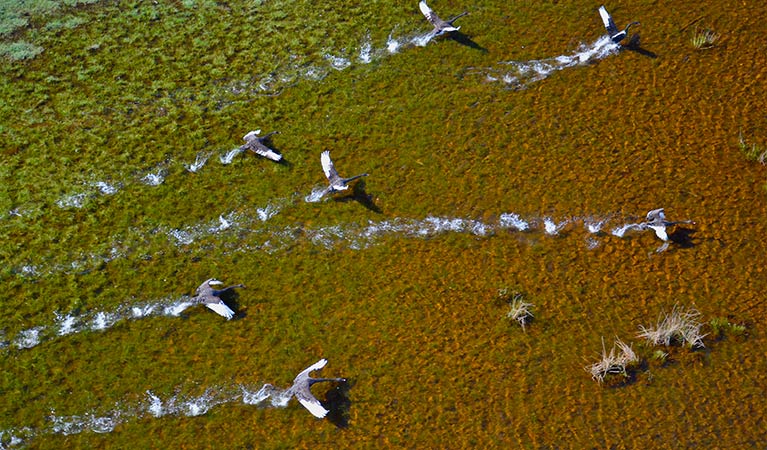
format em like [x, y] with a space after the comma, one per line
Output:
[510, 158]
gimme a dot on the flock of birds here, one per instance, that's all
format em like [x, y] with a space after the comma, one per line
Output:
[209, 296]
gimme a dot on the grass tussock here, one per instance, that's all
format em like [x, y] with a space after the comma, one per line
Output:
[620, 361]
[753, 151]
[679, 327]
[519, 310]
[704, 38]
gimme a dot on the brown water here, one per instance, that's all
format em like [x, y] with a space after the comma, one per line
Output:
[415, 322]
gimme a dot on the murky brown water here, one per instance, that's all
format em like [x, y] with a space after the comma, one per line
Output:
[415, 322]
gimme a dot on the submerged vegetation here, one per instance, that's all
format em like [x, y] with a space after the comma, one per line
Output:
[680, 327]
[621, 360]
[704, 38]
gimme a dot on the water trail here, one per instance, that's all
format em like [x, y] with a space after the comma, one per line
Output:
[511, 220]
[620, 231]
[100, 421]
[337, 62]
[519, 74]
[227, 157]
[199, 162]
[67, 324]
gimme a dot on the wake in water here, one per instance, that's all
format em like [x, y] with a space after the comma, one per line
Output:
[154, 406]
[519, 74]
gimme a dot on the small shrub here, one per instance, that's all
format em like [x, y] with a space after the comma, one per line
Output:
[520, 311]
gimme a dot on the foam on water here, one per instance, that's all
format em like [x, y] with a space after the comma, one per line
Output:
[316, 195]
[552, 228]
[366, 50]
[105, 188]
[71, 201]
[518, 74]
[66, 324]
[511, 220]
[28, 338]
[337, 62]
[620, 231]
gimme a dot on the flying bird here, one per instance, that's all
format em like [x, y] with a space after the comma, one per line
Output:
[301, 389]
[255, 143]
[336, 182]
[210, 297]
[440, 26]
[612, 30]
[656, 220]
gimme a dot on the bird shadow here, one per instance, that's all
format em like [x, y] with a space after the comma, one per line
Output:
[232, 300]
[338, 404]
[633, 45]
[463, 39]
[359, 195]
[682, 237]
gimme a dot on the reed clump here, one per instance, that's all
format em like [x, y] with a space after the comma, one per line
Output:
[620, 361]
[682, 327]
[519, 309]
[704, 38]
[753, 151]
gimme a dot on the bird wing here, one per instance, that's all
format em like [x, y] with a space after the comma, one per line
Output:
[312, 404]
[221, 309]
[608, 21]
[660, 231]
[430, 15]
[327, 166]
[316, 366]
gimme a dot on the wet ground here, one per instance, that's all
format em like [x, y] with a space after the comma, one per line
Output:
[509, 158]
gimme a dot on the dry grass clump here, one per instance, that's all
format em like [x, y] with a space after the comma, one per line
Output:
[680, 327]
[704, 38]
[752, 152]
[619, 361]
[520, 310]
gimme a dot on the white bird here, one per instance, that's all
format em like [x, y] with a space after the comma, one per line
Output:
[255, 143]
[612, 30]
[336, 182]
[301, 389]
[208, 296]
[440, 26]
[656, 220]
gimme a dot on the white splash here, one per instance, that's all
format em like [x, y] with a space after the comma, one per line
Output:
[103, 320]
[511, 220]
[337, 62]
[105, 188]
[594, 227]
[68, 425]
[366, 51]
[267, 212]
[422, 39]
[181, 237]
[71, 201]
[230, 155]
[198, 163]
[155, 405]
[66, 324]
[154, 179]
[392, 44]
[551, 228]
[28, 338]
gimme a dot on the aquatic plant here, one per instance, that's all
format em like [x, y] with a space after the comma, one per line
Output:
[721, 325]
[704, 38]
[680, 327]
[620, 361]
[753, 151]
[20, 50]
[520, 310]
